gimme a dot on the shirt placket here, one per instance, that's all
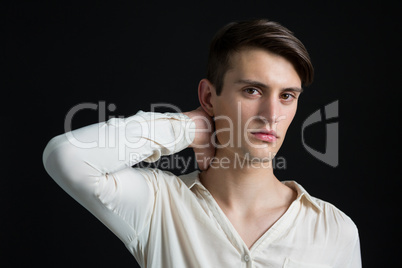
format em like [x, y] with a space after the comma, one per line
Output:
[246, 254]
[230, 232]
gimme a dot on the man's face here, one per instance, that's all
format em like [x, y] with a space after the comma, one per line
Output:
[257, 104]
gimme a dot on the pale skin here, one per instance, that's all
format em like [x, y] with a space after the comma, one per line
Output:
[260, 92]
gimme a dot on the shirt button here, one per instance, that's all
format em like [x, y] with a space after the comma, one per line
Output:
[246, 258]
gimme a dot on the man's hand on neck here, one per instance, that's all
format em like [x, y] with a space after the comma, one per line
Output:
[202, 144]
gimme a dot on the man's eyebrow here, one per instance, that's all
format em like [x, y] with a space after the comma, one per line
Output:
[262, 85]
[251, 82]
[294, 89]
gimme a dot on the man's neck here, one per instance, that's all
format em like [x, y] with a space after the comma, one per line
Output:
[241, 185]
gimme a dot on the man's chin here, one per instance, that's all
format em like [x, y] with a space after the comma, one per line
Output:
[258, 157]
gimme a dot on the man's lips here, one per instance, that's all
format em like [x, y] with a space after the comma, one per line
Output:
[265, 135]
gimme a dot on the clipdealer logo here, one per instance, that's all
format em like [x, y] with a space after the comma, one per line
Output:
[330, 112]
[331, 154]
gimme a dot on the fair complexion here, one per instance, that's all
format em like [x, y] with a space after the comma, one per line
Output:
[252, 114]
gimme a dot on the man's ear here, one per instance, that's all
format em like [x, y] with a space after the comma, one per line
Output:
[206, 93]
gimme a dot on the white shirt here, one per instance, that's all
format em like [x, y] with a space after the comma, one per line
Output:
[170, 221]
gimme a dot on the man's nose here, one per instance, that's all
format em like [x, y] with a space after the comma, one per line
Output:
[270, 111]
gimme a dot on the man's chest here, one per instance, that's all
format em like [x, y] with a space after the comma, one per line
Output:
[252, 227]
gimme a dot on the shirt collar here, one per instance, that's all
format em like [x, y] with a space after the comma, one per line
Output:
[192, 179]
[302, 193]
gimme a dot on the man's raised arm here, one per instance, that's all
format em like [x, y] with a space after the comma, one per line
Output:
[93, 165]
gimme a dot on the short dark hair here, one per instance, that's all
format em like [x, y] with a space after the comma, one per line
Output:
[258, 33]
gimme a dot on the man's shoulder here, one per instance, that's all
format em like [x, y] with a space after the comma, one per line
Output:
[330, 211]
[168, 178]
[335, 223]
[325, 216]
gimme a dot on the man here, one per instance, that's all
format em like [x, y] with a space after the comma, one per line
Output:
[235, 213]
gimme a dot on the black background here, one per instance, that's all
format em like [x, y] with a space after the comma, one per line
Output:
[59, 54]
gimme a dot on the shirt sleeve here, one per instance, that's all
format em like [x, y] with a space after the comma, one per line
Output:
[350, 244]
[356, 261]
[93, 165]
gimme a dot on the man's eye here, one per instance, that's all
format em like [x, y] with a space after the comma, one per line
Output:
[251, 91]
[287, 96]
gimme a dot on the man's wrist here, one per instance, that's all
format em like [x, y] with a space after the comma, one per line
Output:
[203, 127]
